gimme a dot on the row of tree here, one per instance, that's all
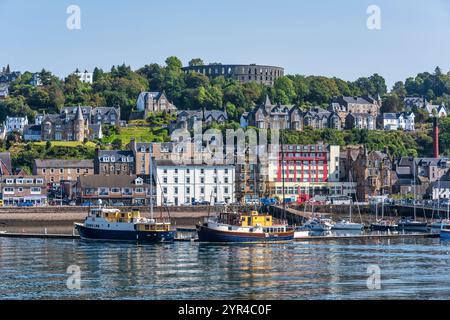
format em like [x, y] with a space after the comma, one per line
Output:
[121, 87]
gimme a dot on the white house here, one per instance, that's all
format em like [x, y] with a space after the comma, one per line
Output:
[182, 184]
[441, 190]
[86, 77]
[406, 121]
[438, 110]
[16, 123]
[396, 121]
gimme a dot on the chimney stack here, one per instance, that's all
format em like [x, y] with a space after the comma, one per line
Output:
[435, 138]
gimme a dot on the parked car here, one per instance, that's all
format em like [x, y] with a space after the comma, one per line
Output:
[204, 203]
[118, 204]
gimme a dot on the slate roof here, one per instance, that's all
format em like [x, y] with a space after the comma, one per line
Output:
[59, 163]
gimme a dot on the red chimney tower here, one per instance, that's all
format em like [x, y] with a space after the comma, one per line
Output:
[435, 138]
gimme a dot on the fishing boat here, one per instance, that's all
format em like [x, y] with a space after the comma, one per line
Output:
[109, 224]
[250, 227]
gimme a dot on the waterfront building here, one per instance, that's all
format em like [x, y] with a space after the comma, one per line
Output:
[343, 106]
[141, 153]
[308, 171]
[261, 74]
[56, 170]
[114, 162]
[426, 172]
[112, 189]
[440, 190]
[24, 188]
[15, 124]
[372, 172]
[85, 77]
[185, 183]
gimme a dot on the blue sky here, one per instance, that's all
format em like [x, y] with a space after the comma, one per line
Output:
[320, 37]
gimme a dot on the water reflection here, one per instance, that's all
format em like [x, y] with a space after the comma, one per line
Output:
[411, 268]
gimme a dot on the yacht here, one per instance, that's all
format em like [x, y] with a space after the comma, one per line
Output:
[409, 224]
[347, 225]
[445, 229]
[318, 224]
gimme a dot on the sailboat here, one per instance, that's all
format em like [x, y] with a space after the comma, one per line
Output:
[348, 224]
[110, 224]
[410, 224]
[382, 224]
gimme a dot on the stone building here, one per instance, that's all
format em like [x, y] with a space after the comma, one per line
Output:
[243, 73]
[114, 162]
[189, 119]
[270, 116]
[56, 170]
[372, 172]
[65, 127]
[360, 121]
[112, 189]
[318, 118]
[357, 105]
[149, 102]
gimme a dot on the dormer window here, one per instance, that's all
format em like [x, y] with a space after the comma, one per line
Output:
[113, 159]
[105, 159]
[139, 182]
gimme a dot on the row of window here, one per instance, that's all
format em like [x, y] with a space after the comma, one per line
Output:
[188, 171]
[188, 190]
[23, 181]
[62, 170]
[114, 159]
[188, 180]
[106, 191]
[11, 190]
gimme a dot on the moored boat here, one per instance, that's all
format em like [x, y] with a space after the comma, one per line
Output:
[252, 227]
[383, 225]
[347, 225]
[445, 229]
[318, 224]
[406, 224]
[108, 224]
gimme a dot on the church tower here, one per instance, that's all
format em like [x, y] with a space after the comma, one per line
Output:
[79, 126]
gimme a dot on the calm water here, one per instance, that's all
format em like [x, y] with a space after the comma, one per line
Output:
[36, 269]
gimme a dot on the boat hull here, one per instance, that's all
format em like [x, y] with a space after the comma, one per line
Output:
[355, 227]
[412, 226]
[206, 234]
[378, 227]
[445, 234]
[125, 235]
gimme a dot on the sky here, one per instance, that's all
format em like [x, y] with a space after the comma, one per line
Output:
[320, 37]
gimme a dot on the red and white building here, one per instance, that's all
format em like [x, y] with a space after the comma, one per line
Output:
[308, 170]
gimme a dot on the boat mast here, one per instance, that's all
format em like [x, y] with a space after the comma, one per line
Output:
[282, 174]
[151, 184]
[414, 200]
